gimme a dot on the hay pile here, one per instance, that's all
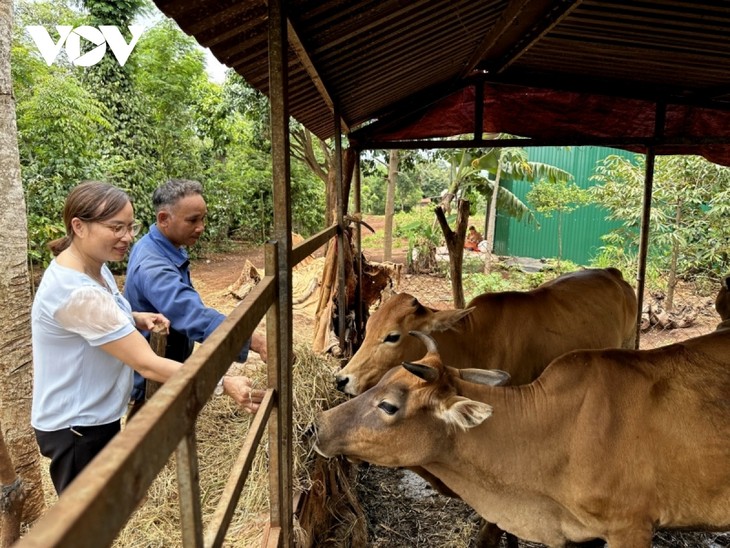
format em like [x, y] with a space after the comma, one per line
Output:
[220, 431]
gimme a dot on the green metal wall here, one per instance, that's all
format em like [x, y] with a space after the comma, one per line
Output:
[582, 229]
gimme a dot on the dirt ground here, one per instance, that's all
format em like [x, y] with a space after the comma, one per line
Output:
[402, 510]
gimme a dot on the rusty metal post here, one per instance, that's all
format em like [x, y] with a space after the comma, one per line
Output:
[359, 313]
[188, 484]
[644, 238]
[342, 241]
[279, 321]
[660, 117]
[186, 462]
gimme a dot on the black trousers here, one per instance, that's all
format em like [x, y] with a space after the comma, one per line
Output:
[71, 449]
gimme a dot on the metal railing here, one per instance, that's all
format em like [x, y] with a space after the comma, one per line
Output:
[97, 505]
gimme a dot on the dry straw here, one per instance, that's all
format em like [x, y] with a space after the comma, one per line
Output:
[220, 431]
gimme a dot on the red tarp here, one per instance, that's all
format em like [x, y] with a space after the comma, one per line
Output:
[567, 116]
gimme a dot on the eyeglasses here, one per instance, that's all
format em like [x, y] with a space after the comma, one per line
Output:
[120, 230]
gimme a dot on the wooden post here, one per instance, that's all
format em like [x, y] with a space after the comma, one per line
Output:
[158, 342]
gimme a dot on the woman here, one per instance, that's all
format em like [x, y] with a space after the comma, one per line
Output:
[472, 239]
[86, 338]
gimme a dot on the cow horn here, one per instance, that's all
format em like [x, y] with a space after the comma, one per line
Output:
[425, 372]
[427, 340]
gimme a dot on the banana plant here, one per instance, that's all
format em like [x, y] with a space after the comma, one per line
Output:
[484, 171]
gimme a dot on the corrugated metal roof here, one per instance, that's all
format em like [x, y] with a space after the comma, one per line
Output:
[382, 58]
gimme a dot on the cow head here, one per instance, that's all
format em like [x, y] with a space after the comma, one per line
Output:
[408, 419]
[722, 302]
[387, 343]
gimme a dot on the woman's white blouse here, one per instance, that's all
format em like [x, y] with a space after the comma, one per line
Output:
[76, 383]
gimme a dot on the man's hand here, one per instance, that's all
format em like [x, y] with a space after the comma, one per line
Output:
[241, 390]
[146, 321]
[258, 345]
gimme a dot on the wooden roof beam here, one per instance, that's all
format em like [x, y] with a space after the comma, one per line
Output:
[296, 44]
[522, 23]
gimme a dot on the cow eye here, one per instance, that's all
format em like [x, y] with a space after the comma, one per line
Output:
[392, 337]
[388, 407]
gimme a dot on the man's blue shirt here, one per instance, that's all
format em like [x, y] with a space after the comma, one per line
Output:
[158, 280]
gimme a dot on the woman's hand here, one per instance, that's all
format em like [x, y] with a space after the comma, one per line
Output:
[241, 390]
[146, 321]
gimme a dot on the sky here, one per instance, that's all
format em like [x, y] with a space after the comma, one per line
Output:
[216, 71]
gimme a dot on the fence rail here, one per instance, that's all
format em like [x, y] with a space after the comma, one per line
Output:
[97, 505]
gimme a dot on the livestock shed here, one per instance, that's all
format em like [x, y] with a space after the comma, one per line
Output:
[651, 76]
[648, 76]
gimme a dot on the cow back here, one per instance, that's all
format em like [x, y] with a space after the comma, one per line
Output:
[676, 400]
[522, 332]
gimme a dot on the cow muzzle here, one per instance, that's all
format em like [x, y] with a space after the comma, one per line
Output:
[346, 384]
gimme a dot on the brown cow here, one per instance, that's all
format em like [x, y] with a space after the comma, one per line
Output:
[722, 303]
[520, 332]
[607, 444]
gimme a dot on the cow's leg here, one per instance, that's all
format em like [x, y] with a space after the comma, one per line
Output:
[630, 538]
[511, 540]
[597, 543]
[489, 536]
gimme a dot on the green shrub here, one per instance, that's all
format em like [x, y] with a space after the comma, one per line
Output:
[476, 284]
[423, 234]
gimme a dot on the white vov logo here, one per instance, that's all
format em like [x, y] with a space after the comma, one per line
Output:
[105, 34]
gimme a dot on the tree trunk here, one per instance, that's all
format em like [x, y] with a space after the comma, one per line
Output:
[487, 209]
[16, 371]
[455, 247]
[492, 217]
[331, 198]
[302, 148]
[672, 281]
[11, 499]
[560, 239]
[390, 206]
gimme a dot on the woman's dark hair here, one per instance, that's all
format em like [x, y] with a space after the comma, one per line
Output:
[90, 201]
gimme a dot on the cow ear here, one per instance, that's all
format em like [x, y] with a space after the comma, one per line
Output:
[726, 283]
[491, 377]
[442, 320]
[464, 413]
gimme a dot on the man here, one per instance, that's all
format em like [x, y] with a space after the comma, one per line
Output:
[158, 277]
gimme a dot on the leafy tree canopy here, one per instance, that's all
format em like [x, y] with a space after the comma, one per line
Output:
[689, 215]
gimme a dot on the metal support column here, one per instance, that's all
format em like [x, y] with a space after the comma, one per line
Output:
[659, 119]
[357, 213]
[644, 238]
[279, 320]
[342, 241]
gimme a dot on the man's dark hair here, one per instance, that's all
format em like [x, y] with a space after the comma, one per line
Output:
[174, 190]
